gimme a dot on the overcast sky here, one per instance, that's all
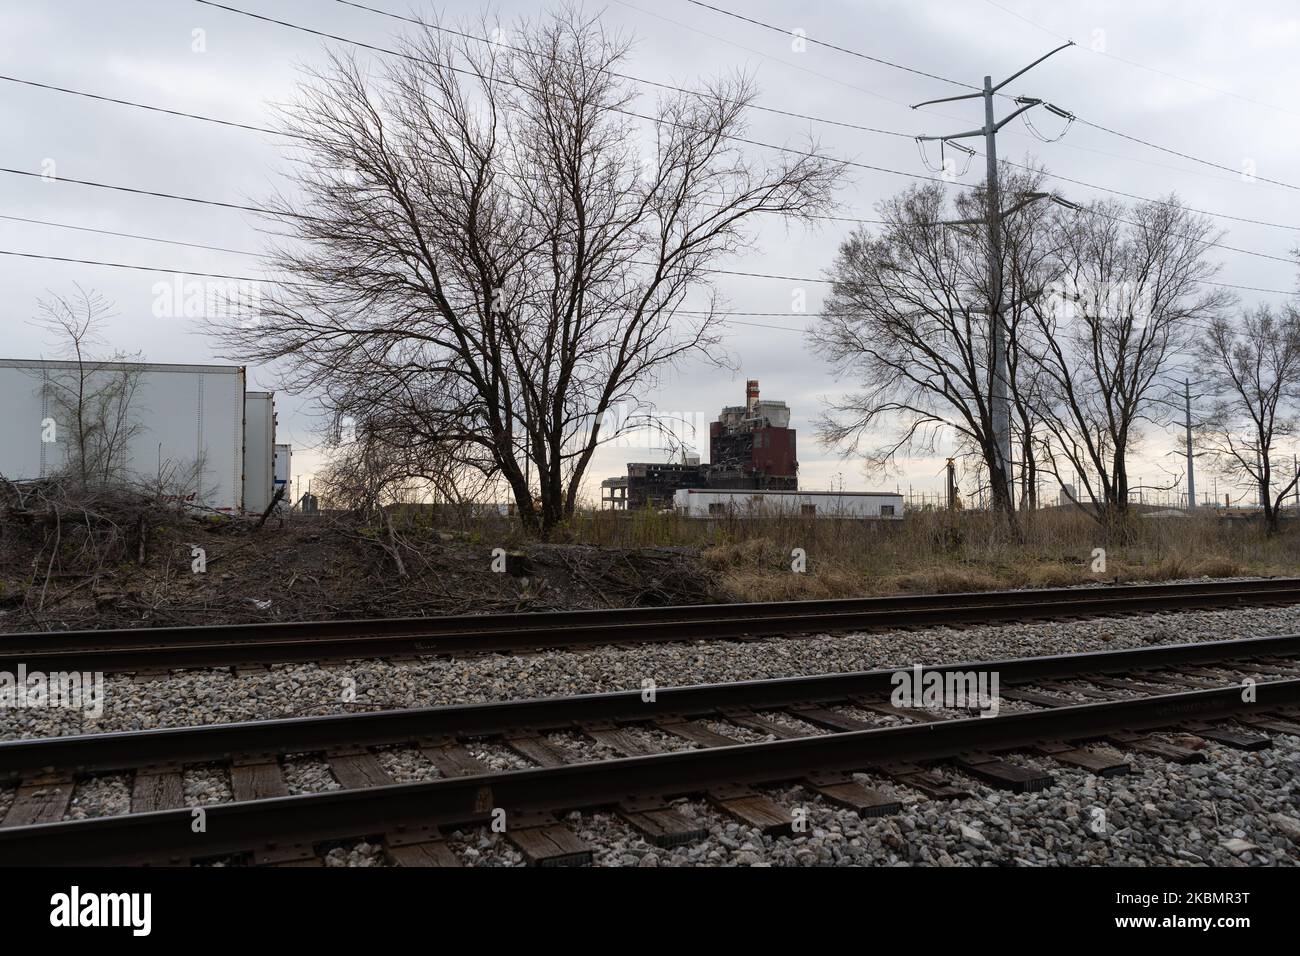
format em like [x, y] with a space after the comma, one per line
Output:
[1215, 80]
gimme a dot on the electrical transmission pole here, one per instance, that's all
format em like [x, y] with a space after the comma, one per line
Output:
[1191, 467]
[1000, 397]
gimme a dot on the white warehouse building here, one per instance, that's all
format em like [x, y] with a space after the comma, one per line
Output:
[193, 428]
[718, 503]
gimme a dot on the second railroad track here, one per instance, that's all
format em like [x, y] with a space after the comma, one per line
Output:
[160, 649]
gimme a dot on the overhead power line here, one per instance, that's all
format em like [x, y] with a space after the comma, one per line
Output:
[1188, 156]
[139, 106]
[1142, 66]
[1097, 126]
[866, 90]
[138, 268]
[653, 119]
[262, 210]
[223, 122]
[877, 95]
[261, 255]
[622, 76]
[1145, 199]
[832, 46]
[1107, 189]
[730, 272]
[150, 192]
[764, 325]
[131, 235]
[1248, 288]
[726, 317]
[243, 278]
[1079, 182]
[262, 129]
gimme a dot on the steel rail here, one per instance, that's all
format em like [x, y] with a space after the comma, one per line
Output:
[145, 649]
[167, 836]
[545, 620]
[196, 744]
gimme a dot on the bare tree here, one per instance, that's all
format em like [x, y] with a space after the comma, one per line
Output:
[496, 253]
[1129, 291]
[90, 401]
[368, 471]
[1253, 372]
[908, 320]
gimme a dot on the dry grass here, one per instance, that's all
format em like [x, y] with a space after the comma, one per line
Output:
[939, 552]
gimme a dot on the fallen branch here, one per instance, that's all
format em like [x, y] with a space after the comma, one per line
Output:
[275, 500]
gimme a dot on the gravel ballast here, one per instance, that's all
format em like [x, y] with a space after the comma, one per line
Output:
[204, 785]
[105, 796]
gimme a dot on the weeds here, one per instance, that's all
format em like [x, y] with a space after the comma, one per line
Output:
[943, 552]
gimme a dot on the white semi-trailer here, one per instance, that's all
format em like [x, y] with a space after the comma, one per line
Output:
[720, 503]
[284, 472]
[259, 437]
[183, 424]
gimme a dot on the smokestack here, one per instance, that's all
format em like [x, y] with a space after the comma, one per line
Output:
[751, 397]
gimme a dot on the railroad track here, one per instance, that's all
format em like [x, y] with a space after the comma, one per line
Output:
[1082, 710]
[160, 649]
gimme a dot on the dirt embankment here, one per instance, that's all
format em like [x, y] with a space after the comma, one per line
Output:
[57, 575]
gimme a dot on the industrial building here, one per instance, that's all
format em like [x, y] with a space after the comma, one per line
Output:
[653, 484]
[751, 447]
[192, 429]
